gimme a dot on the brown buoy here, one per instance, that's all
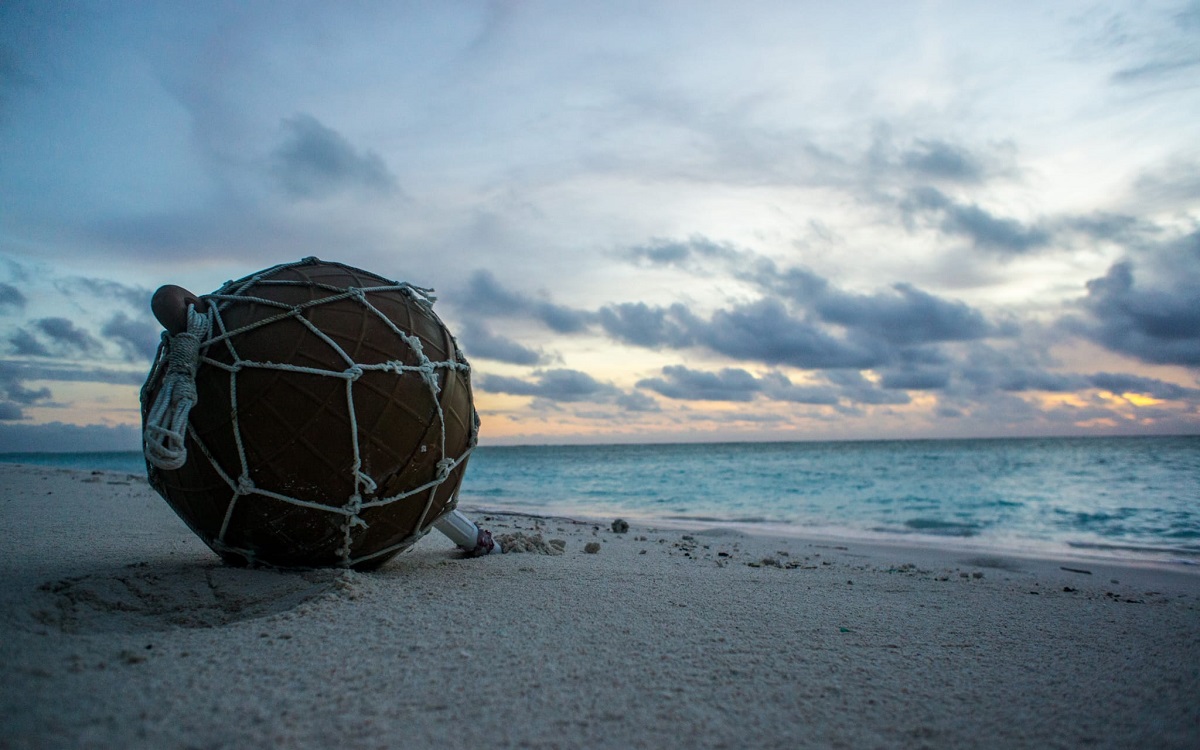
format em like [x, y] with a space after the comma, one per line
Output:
[311, 414]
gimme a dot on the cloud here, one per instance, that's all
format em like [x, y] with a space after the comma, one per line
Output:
[636, 401]
[1125, 383]
[1025, 379]
[873, 323]
[107, 290]
[66, 334]
[683, 253]
[915, 379]
[858, 389]
[941, 160]
[762, 331]
[801, 321]
[552, 385]
[16, 395]
[1157, 323]
[681, 383]
[986, 231]
[766, 332]
[1165, 52]
[11, 298]
[906, 315]
[651, 327]
[10, 369]
[485, 296]
[779, 387]
[734, 384]
[25, 344]
[64, 339]
[479, 342]
[316, 161]
[138, 339]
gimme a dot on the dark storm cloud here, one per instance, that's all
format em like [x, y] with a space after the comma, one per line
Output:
[316, 161]
[138, 339]
[552, 385]
[11, 298]
[479, 342]
[1155, 323]
[985, 230]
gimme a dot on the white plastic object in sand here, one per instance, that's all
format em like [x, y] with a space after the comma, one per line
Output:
[469, 537]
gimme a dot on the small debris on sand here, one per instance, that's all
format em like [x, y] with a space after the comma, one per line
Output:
[620, 526]
[534, 543]
[592, 548]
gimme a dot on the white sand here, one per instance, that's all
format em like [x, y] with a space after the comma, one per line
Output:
[120, 629]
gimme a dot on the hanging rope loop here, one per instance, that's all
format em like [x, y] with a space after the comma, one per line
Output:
[166, 422]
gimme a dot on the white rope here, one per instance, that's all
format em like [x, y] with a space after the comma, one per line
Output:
[166, 423]
[167, 420]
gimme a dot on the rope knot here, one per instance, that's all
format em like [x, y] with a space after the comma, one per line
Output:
[364, 480]
[164, 443]
[429, 375]
[245, 485]
[444, 467]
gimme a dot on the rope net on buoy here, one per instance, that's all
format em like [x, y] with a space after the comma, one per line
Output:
[212, 341]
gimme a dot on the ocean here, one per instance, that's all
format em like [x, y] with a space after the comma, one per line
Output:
[1131, 498]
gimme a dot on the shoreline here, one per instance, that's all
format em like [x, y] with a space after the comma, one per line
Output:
[118, 628]
[1096, 537]
[951, 556]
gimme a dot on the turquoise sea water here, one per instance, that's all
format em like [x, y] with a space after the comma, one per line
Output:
[1128, 498]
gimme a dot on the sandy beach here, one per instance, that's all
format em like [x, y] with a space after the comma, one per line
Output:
[120, 629]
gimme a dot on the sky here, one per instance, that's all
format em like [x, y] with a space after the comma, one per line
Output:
[645, 221]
